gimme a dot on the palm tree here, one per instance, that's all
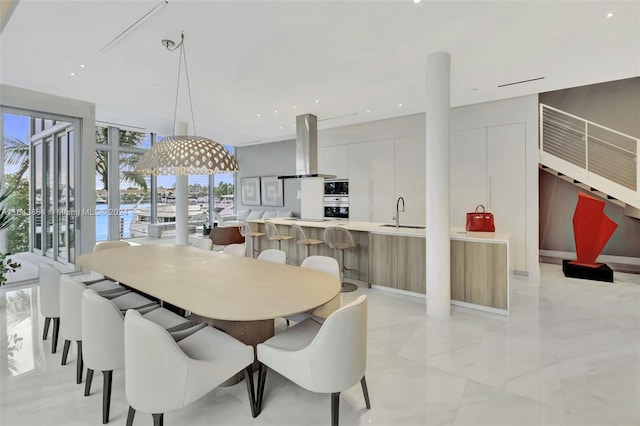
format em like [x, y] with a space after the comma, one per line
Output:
[127, 162]
[16, 153]
[6, 219]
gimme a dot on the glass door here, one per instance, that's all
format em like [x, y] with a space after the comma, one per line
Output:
[53, 197]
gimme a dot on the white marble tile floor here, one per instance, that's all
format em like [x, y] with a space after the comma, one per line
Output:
[569, 354]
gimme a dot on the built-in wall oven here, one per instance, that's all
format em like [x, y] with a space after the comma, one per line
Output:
[338, 187]
[336, 199]
[336, 207]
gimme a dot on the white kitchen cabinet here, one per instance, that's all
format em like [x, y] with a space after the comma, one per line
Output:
[334, 160]
[382, 200]
[410, 178]
[359, 181]
[506, 186]
[468, 173]
[487, 168]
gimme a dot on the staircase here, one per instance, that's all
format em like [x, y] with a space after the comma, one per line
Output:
[599, 160]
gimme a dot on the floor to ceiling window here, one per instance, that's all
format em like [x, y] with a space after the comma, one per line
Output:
[39, 170]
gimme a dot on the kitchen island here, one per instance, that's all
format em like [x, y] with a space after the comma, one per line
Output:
[394, 259]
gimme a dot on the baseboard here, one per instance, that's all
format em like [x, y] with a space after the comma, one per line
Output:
[603, 258]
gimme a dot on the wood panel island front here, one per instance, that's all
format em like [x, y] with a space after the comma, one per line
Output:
[394, 259]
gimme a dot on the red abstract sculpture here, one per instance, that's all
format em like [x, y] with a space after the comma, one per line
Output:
[592, 229]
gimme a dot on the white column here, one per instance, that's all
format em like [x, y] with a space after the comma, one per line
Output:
[437, 139]
[182, 198]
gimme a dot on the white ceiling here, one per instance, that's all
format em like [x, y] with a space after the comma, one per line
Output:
[254, 57]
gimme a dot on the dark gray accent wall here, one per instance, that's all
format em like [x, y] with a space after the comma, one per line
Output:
[615, 104]
[558, 200]
[270, 159]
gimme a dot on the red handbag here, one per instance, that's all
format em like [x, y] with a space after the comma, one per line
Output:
[481, 221]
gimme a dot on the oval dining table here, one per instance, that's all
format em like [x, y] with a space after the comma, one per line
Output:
[239, 295]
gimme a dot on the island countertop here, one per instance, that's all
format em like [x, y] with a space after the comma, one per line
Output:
[371, 227]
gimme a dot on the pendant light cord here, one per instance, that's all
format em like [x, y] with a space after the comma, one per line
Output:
[183, 55]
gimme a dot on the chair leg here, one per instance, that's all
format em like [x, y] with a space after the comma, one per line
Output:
[107, 377]
[335, 408]
[79, 364]
[130, 415]
[262, 378]
[56, 331]
[365, 392]
[47, 322]
[248, 379]
[87, 383]
[65, 351]
[158, 419]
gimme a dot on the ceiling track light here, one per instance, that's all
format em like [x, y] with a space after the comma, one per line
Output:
[134, 26]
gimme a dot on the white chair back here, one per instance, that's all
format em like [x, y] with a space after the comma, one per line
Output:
[235, 249]
[102, 333]
[156, 369]
[71, 308]
[106, 245]
[273, 255]
[323, 264]
[203, 243]
[49, 290]
[338, 353]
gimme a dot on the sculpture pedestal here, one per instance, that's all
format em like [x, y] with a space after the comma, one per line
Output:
[600, 273]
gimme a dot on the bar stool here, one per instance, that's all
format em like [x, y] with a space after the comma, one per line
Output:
[246, 231]
[301, 238]
[341, 239]
[274, 235]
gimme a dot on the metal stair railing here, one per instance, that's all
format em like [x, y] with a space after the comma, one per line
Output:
[605, 152]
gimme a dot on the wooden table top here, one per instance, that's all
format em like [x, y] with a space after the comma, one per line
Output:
[215, 285]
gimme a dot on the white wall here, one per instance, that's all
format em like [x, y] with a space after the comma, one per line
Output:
[30, 100]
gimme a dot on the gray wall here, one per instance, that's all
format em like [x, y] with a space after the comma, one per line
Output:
[558, 200]
[615, 104]
[271, 159]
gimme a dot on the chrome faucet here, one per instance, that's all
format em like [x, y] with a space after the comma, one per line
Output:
[397, 216]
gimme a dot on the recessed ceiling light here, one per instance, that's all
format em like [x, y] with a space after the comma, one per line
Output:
[295, 107]
[317, 101]
[416, 1]
[258, 115]
[82, 66]
[275, 111]
[280, 127]
[368, 111]
[72, 74]
[399, 105]
[610, 14]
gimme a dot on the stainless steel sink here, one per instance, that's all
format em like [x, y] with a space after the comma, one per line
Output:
[404, 226]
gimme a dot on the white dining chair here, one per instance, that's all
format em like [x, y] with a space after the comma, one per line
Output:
[202, 243]
[163, 373]
[71, 315]
[273, 255]
[323, 264]
[103, 339]
[327, 358]
[49, 278]
[235, 249]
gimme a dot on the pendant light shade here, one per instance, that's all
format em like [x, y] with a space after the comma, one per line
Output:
[187, 155]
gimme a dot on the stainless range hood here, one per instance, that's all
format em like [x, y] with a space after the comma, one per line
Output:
[306, 148]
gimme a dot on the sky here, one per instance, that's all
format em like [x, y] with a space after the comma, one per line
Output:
[18, 127]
